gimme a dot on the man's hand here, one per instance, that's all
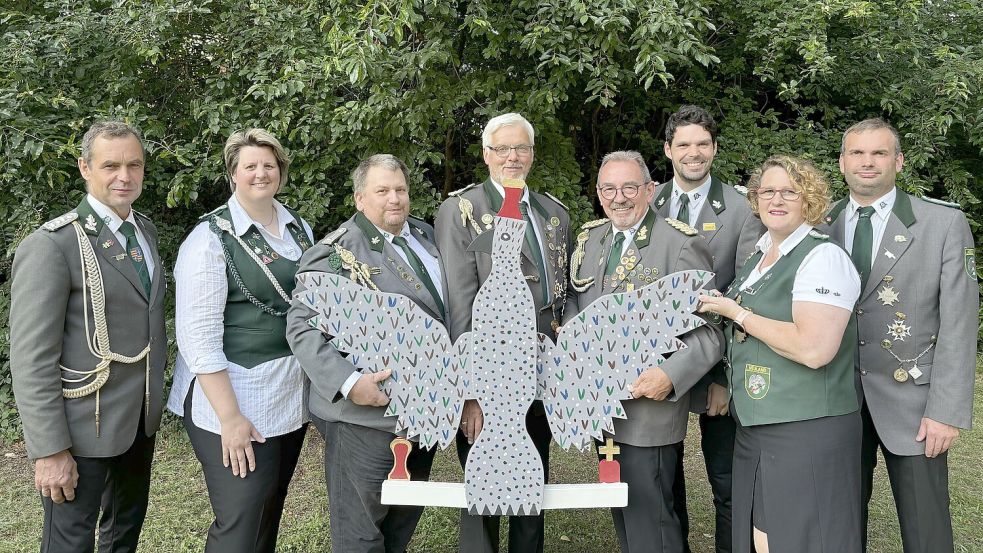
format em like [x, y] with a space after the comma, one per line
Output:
[366, 389]
[938, 436]
[717, 400]
[653, 383]
[56, 476]
[471, 420]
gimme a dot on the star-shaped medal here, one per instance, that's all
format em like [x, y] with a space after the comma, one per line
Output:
[898, 330]
[888, 295]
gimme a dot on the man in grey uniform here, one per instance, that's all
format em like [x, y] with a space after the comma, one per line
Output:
[88, 350]
[397, 254]
[508, 149]
[917, 319]
[633, 247]
[722, 215]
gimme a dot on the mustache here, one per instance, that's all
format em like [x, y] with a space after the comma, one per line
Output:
[619, 205]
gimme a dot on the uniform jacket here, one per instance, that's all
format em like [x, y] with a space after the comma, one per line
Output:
[731, 231]
[658, 249]
[326, 368]
[48, 329]
[922, 290]
[458, 222]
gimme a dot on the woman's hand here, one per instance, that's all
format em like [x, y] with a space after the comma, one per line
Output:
[237, 446]
[715, 303]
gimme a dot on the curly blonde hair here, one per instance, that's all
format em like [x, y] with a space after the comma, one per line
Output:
[804, 177]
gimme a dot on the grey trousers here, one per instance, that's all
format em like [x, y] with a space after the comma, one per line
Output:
[921, 493]
[120, 485]
[649, 523]
[357, 460]
[247, 510]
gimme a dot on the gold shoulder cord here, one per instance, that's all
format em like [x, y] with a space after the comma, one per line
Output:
[467, 214]
[360, 272]
[579, 284]
[99, 342]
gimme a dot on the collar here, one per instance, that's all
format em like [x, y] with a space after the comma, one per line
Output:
[787, 245]
[101, 215]
[404, 232]
[695, 194]
[501, 192]
[882, 206]
[641, 232]
[242, 222]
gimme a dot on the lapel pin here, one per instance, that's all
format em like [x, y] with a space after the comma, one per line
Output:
[120, 257]
[900, 238]
[108, 244]
[709, 226]
[375, 240]
[716, 204]
[90, 223]
[661, 201]
[555, 221]
[888, 254]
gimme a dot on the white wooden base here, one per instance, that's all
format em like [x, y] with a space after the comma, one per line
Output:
[451, 494]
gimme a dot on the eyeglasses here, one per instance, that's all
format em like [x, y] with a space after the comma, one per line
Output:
[787, 194]
[503, 151]
[628, 191]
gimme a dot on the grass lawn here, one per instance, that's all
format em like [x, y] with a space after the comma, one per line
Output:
[179, 512]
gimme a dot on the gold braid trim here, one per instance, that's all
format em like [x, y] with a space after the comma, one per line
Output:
[360, 272]
[467, 214]
[99, 342]
[577, 283]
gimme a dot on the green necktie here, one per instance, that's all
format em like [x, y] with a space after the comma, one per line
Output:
[863, 242]
[683, 214]
[537, 252]
[615, 256]
[419, 269]
[136, 254]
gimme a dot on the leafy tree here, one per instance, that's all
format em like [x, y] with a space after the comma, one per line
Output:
[338, 80]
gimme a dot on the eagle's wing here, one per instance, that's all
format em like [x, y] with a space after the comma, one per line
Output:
[584, 376]
[382, 331]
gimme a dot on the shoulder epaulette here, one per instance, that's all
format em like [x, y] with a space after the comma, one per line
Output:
[60, 221]
[593, 224]
[741, 189]
[462, 190]
[555, 199]
[331, 238]
[941, 202]
[681, 226]
[816, 234]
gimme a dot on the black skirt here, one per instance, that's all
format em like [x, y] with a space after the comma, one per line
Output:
[800, 483]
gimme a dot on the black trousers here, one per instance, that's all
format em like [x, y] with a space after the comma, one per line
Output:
[479, 534]
[247, 510]
[357, 460]
[120, 485]
[649, 523]
[717, 441]
[921, 493]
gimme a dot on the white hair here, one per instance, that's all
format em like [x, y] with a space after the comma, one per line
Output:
[505, 120]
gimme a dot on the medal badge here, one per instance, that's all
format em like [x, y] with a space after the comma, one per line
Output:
[901, 375]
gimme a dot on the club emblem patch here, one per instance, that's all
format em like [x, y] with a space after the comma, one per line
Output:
[757, 381]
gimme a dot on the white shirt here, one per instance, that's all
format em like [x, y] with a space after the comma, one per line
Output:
[272, 394]
[113, 221]
[430, 264]
[882, 212]
[826, 275]
[697, 197]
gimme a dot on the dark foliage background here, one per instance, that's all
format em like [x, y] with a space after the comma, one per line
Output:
[338, 80]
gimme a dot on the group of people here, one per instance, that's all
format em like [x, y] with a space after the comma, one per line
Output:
[826, 323]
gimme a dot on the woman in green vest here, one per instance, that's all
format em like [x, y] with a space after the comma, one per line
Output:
[791, 341]
[238, 386]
